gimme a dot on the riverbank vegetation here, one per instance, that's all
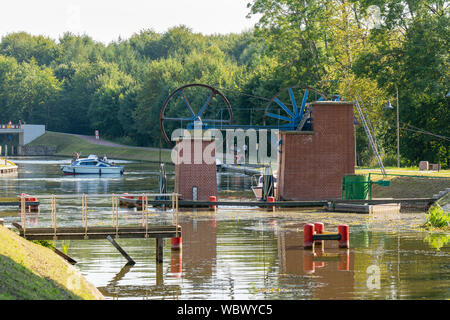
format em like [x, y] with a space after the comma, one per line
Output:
[66, 145]
[30, 271]
[437, 218]
[77, 85]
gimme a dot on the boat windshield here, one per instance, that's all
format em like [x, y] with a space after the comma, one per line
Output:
[88, 163]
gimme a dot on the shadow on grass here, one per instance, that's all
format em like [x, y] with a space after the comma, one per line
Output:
[18, 283]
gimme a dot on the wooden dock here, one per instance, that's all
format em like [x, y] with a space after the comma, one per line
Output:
[7, 202]
[144, 230]
[405, 202]
[384, 208]
[93, 233]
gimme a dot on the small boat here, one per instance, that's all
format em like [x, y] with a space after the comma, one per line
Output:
[92, 165]
[258, 187]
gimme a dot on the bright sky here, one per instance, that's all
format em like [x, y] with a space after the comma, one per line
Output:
[106, 20]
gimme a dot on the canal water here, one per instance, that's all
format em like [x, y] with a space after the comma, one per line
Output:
[235, 252]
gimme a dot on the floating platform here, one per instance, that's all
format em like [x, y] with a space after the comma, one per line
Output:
[15, 202]
[385, 208]
[419, 203]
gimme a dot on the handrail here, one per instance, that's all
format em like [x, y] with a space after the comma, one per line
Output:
[115, 208]
[104, 195]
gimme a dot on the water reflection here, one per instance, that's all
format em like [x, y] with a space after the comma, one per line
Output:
[239, 253]
[114, 290]
[323, 273]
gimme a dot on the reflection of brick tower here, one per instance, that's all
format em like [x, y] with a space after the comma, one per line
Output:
[199, 250]
[195, 170]
[312, 164]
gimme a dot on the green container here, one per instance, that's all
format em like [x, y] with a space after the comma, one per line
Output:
[355, 187]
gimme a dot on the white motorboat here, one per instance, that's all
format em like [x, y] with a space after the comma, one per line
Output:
[92, 165]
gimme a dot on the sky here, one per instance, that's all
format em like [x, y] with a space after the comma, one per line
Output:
[106, 20]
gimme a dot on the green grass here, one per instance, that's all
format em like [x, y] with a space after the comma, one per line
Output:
[66, 145]
[409, 187]
[29, 271]
[410, 171]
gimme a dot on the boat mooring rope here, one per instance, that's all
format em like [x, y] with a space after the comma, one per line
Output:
[115, 212]
[54, 216]
[145, 213]
[23, 214]
[84, 214]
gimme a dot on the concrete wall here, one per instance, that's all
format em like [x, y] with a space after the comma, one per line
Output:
[311, 165]
[31, 132]
[36, 150]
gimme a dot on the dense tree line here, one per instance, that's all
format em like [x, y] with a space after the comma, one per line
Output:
[371, 48]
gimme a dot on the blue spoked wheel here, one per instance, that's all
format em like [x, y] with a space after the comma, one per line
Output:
[289, 106]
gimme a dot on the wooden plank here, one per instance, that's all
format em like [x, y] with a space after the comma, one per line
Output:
[17, 203]
[63, 255]
[119, 248]
[164, 231]
[98, 236]
[159, 249]
[108, 230]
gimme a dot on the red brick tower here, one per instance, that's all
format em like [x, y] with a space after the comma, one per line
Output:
[312, 164]
[195, 175]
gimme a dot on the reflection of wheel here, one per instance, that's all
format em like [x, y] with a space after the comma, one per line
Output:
[194, 104]
[283, 112]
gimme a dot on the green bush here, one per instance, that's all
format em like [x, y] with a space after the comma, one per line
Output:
[437, 218]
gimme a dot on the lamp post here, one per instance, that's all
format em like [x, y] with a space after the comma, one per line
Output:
[389, 106]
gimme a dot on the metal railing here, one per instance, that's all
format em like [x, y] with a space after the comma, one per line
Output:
[114, 206]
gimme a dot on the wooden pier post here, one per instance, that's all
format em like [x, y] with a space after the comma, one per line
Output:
[159, 274]
[159, 249]
[115, 244]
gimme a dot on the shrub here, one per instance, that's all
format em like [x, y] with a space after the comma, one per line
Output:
[437, 218]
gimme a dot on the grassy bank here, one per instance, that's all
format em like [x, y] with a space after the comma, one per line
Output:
[407, 182]
[30, 271]
[67, 144]
[411, 187]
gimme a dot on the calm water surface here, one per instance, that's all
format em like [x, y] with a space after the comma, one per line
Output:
[236, 253]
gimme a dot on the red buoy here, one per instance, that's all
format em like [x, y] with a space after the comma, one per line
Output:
[318, 227]
[343, 230]
[212, 199]
[308, 232]
[176, 243]
[271, 199]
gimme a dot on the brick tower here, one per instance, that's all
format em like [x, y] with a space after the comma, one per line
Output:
[312, 164]
[195, 169]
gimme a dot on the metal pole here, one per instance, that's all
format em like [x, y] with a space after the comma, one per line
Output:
[354, 136]
[398, 134]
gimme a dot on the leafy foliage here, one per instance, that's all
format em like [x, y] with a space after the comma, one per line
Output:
[366, 48]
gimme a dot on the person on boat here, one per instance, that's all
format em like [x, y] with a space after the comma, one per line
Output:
[75, 157]
[104, 158]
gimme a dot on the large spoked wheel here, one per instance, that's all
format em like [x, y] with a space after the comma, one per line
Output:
[288, 107]
[194, 104]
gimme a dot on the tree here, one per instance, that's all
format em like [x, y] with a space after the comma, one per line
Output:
[29, 93]
[25, 47]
